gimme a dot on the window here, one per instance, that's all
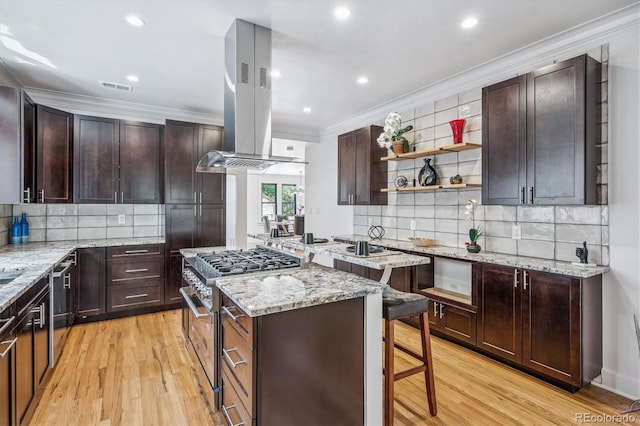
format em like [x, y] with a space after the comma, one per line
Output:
[288, 200]
[269, 199]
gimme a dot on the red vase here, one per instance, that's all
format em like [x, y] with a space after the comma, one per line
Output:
[457, 126]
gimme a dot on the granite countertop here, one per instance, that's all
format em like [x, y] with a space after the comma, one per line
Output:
[532, 263]
[337, 250]
[37, 259]
[270, 292]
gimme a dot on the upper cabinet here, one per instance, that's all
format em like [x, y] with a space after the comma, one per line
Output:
[116, 161]
[17, 147]
[541, 134]
[361, 173]
[54, 156]
[184, 145]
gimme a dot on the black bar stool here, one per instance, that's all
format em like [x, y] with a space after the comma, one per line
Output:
[396, 305]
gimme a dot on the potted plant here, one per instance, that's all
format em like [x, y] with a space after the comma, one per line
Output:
[474, 233]
[392, 136]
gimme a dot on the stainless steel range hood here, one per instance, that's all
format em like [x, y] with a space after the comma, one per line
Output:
[247, 102]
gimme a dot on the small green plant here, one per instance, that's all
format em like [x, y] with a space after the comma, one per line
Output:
[474, 233]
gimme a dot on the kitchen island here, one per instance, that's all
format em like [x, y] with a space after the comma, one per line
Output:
[300, 346]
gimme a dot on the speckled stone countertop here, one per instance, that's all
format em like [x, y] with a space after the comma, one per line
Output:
[532, 263]
[270, 292]
[37, 259]
[336, 250]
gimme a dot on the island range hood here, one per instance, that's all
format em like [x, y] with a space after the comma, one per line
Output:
[247, 103]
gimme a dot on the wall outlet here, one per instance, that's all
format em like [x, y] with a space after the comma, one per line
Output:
[121, 219]
[413, 224]
[516, 232]
[370, 221]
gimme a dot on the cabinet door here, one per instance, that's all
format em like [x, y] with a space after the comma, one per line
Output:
[7, 380]
[174, 279]
[499, 312]
[180, 152]
[211, 226]
[96, 160]
[211, 186]
[346, 168]
[180, 226]
[458, 323]
[503, 147]
[41, 339]
[362, 167]
[551, 325]
[556, 134]
[25, 383]
[54, 156]
[91, 281]
[140, 163]
[29, 149]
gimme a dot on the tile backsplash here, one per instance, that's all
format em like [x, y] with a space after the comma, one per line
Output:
[549, 232]
[58, 222]
[5, 224]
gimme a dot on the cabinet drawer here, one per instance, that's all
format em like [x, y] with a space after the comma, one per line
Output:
[135, 251]
[237, 359]
[233, 410]
[135, 295]
[125, 270]
[243, 323]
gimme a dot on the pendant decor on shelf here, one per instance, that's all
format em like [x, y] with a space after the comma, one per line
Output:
[457, 126]
[427, 175]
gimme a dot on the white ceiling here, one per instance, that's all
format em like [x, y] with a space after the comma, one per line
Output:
[400, 45]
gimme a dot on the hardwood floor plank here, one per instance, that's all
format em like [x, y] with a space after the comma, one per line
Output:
[135, 371]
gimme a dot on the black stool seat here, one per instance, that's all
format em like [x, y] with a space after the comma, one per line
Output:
[398, 304]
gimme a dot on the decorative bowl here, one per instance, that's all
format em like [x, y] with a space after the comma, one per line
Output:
[422, 242]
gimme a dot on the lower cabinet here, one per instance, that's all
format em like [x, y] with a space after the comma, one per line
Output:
[550, 324]
[91, 282]
[453, 321]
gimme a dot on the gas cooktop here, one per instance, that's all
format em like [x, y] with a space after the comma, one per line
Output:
[234, 262]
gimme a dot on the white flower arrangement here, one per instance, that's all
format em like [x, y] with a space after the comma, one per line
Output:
[393, 131]
[474, 233]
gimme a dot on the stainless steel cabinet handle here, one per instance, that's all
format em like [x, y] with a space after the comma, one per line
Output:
[200, 207]
[74, 258]
[442, 310]
[6, 351]
[435, 307]
[136, 251]
[41, 320]
[115, 197]
[27, 195]
[6, 324]
[522, 201]
[122, 197]
[195, 197]
[201, 198]
[225, 352]
[515, 278]
[531, 195]
[131, 271]
[225, 411]
[525, 279]
[228, 312]
[42, 196]
[192, 306]
[135, 296]
[66, 281]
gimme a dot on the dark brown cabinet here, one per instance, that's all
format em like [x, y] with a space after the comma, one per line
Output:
[7, 366]
[550, 324]
[54, 156]
[540, 136]
[117, 161]
[17, 150]
[184, 145]
[91, 282]
[361, 174]
[400, 278]
[453, 321]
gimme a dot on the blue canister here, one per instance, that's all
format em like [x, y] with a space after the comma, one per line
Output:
[24, 225]
[16, 231]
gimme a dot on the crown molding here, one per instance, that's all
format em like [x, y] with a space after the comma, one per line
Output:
[6, 76]
[564, 45]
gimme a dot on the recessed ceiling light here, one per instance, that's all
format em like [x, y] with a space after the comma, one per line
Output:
[306, 109]
[134, 20]
[469, 22]
[342, 13]
[133, 78]
[275, 74]
[363, 80]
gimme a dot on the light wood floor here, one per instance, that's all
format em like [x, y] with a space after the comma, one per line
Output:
[135, 371]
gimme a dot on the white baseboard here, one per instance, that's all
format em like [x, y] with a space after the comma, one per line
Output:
[626, 386]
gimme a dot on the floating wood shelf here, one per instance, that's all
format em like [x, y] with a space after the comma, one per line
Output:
[424, 153]
[433, 187]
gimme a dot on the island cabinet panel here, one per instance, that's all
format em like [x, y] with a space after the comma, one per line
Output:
[274, 367]
[140, 163]
[96, 159]
[547, 323]
[361, 173]
[91, 282]
[54, 156]
[541, 134]
[400, 278]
